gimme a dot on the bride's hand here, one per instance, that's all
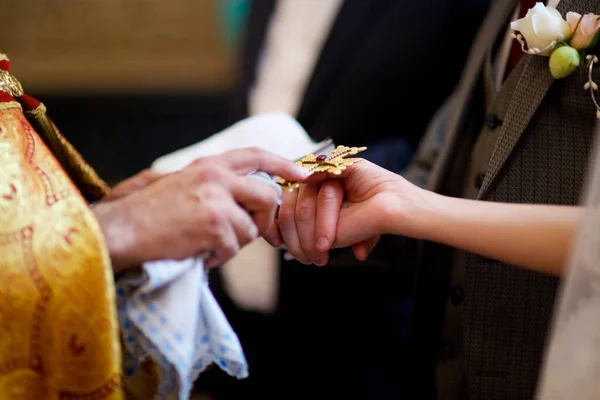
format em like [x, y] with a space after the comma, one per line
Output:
[352, 209]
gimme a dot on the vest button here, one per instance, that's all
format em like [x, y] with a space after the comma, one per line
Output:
[457, 295]
[493, 121]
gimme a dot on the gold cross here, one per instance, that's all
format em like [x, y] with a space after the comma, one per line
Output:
[334, 164]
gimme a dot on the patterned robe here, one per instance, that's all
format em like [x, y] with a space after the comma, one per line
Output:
[59, 336]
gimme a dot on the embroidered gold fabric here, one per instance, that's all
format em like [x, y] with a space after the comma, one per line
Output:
[59, 337]
[10, 84]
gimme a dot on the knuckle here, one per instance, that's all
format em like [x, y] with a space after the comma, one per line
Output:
[197, 162]
[213, 219]
[328, 194]
[208, 173]
[212, 193]
[256, 156]
[229, 249]
[262, 226]
[304, 212]
[251, 234]
[253, 231]
[201, 163]
[247, 230]
[146, 173]
[255, 151]
[267, 200]
[271, 198]
[286, 213]
[270, 234]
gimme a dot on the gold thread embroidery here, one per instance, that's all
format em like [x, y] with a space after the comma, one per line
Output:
[9, 84]
[55, 263]
[9, 105]
[3, 57]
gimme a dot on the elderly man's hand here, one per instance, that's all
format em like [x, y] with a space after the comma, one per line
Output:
[210, 207]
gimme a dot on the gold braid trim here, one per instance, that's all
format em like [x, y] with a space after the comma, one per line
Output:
[9, 84]
[9, 105]
[82, 174]
[39, 111]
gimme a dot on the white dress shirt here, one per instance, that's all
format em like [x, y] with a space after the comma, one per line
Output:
[295, 37]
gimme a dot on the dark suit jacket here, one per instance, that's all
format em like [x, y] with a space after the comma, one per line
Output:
[385, 68]
[527, 143]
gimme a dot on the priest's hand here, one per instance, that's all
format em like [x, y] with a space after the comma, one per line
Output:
[210, 207]
[352, 209]
[133, 184]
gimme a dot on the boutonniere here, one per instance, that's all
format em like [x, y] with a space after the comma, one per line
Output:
[544, 32]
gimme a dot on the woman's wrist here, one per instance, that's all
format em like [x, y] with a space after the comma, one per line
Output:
[416, 214]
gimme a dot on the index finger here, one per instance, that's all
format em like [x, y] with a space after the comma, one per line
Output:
[244, 161]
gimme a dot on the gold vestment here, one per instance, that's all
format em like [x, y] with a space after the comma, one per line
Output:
[59, 335]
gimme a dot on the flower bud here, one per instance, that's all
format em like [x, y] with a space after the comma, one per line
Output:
[584, 30]
[563, 61]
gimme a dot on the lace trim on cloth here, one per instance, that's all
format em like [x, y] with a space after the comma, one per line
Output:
[572, 364]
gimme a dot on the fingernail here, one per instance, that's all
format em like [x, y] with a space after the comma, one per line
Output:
[275, 242]
[303, 172]
[322, 244]
[319, 262]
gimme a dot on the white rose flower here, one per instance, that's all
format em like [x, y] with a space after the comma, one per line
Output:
[542, 28]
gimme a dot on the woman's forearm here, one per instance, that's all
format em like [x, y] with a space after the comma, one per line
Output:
[537, 237]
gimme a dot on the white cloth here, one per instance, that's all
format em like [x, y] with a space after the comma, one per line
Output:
[293, 42]
[275, 132]
[168, 312]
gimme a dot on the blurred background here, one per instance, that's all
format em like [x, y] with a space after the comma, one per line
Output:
[127, 81]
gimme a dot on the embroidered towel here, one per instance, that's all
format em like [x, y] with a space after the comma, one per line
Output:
[168, 312]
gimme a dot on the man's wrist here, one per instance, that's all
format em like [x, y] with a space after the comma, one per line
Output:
[115, 233]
